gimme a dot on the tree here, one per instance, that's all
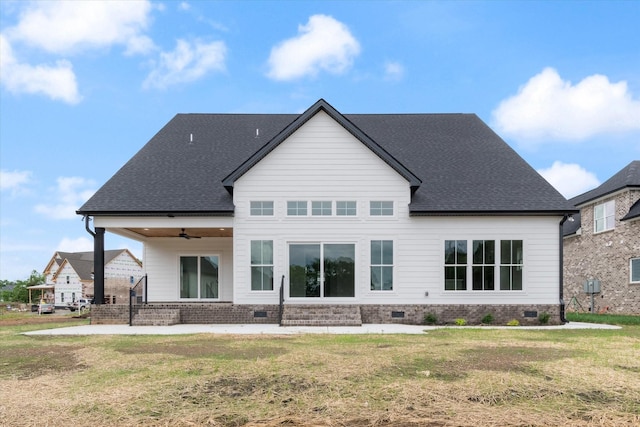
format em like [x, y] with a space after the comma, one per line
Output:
[20, 293]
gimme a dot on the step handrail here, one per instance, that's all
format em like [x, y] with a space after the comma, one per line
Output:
[281, 308]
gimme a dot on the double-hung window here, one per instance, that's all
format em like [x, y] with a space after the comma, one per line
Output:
[262, 265]
[382, 265]
[455, 265]
[483, 267]
[261, 208]
[511, 265]
[604, 216]
[297, 208]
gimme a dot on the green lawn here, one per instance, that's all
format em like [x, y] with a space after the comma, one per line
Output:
[458, 377]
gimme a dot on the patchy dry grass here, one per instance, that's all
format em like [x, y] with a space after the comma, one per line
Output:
[449, 377]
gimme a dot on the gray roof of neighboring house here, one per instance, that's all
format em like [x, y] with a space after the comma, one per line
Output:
[627, 177]
[82, 262]
[455, 163]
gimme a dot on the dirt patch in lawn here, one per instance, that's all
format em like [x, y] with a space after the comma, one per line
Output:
[33, 362]
[34, 319]
[499, 359]
[208, 348]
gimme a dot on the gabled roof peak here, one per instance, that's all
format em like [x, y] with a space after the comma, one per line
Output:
[321, 105]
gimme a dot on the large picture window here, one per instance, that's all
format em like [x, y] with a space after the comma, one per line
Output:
[262, 265]
[604, 216]
[199, 277]
[382, 265]
[455, 265]
[483, 269]
[511, 265]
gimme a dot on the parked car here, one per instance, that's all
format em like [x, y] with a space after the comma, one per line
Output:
[81, 304]
[44, 307]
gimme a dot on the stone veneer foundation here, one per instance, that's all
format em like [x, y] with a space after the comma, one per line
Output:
[227, 313]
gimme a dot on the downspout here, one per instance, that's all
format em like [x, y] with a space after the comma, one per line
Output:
[563, 319]
[98, 261]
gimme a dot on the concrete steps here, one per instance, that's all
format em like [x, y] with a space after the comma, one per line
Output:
[156, 317]
[319, 315]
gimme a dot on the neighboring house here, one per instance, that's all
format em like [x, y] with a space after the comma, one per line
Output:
[72, 275]
[382, 217]
[603, 243]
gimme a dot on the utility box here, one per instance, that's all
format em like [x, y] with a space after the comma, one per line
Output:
[592, 286]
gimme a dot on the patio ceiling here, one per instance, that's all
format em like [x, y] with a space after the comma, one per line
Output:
[175, 232]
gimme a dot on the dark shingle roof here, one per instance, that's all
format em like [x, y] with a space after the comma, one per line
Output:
[456, 162]
[628, 177]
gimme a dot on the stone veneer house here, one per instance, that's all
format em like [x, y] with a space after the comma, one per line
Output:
[71, 275]
[323, 218]
[603, 243]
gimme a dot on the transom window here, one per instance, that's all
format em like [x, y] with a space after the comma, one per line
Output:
[455, 265]
[199, 277]
[604, 216]
[262, 265]
[323, 208]
[382, 265]
[635, 270]
[261, 208]
[297, 208]
[381, 208]
[346, 208]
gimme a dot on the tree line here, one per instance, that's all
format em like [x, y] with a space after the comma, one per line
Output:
[16, 291]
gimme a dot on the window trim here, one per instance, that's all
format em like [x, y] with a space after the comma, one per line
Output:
[605, 216]
[261, 208]
[382, 264]
[346, 208]
[456, 264]
[261, 265]
[637, 282]
[511, 265]
[373, 212]
[322, 208]
[199, 256]
[295, 211]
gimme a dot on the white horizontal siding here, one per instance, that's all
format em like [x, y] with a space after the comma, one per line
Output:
[162, 261]
[321, 161]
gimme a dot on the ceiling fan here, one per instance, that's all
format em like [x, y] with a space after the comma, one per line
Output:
[184, 235]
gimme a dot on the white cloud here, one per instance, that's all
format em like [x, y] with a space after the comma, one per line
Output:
[58, 82]
[322, 44]
[67, 197]
[70, 26]
[547, 107]
[14, 181]
[569, 179]
[393, 71]
[186, 63]
[81, 244]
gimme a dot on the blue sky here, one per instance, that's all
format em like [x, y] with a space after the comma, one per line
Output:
[84, 85]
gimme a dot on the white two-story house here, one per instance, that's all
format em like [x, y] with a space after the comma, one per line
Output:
[337, 219]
